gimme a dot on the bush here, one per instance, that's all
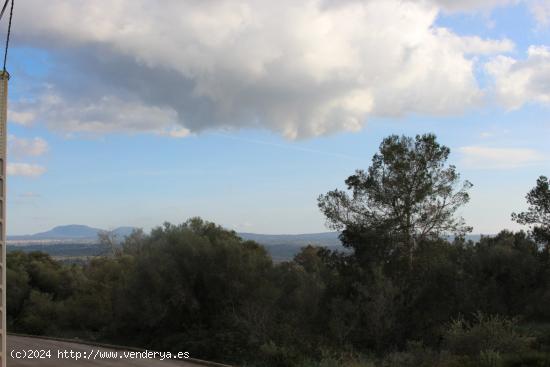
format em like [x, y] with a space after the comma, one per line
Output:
[529, 359]
[490, 358]
[486, 333]
[415, 355]
[41, 314]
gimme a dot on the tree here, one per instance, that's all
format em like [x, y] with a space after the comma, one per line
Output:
[537, 215]
[109, 239]
[408, 193]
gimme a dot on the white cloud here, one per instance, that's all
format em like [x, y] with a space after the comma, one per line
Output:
[25, 169]
[29, 195]
[22, 118]
[478, 46]
[517, 82]
[20, 147]
[108, 114]
[176, 132]
[482, 157]
[486, 134]
[494, 132]
[472, 5]
[540, 9]
[297, 68]
[445, 5]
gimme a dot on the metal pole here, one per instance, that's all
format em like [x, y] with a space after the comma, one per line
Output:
[4, 77]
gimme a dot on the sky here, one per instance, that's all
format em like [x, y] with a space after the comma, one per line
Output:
[137, 112]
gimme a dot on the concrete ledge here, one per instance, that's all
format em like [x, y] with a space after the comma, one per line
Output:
[117, 347]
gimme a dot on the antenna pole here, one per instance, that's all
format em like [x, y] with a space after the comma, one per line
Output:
[4, 77]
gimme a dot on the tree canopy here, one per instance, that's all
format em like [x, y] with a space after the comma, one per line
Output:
[408, 193]
[200, 288]
[537, 215]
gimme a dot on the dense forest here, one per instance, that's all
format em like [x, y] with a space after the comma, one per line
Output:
[402, 294]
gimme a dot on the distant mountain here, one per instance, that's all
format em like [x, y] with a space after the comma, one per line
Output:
[471, 237]
[285, 247]
[79, 231]
[328, 239]
[71, 232]
[68, 241]
[298, 240]
[122, 232]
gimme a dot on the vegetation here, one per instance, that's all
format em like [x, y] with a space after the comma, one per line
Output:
[538, 214]
[400, 295]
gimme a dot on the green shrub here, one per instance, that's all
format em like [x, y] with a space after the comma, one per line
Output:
[528, 359]
[337, 362]
[41, 314]
[486, 333]
[416, 355]
[490, 358]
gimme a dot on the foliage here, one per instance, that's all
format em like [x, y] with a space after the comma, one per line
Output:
[200, 288]
[538, 213]
[407, 195]
[222, 298]
[486, 336]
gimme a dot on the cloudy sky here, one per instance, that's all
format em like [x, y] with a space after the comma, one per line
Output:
[136, 112]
